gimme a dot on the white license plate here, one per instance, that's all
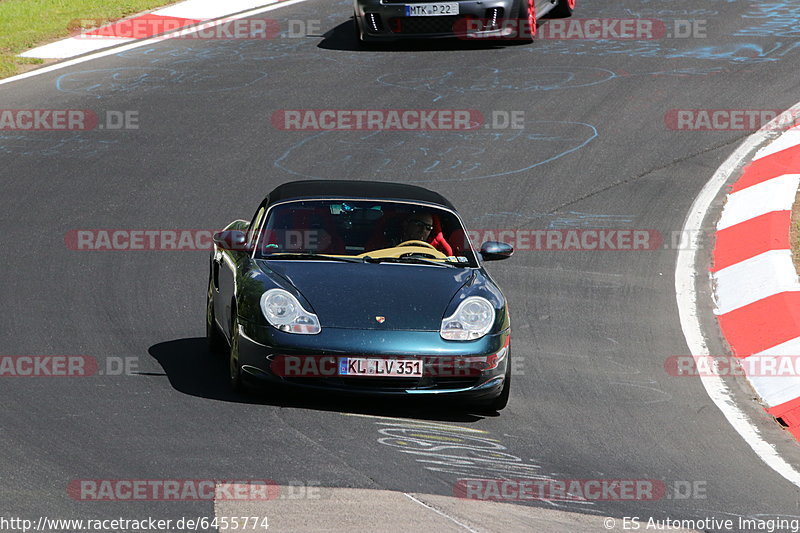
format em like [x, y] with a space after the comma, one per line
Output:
[365, 366]
[431, 10]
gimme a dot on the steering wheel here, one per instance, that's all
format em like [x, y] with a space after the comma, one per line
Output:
[420, 248]
[417, 243]
[412, 248]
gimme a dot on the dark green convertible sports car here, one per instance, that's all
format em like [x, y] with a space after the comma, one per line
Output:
[362, 287]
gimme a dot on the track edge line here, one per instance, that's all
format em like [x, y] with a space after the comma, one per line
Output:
[686, 277]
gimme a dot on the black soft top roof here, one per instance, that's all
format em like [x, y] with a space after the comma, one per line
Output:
[355, 189]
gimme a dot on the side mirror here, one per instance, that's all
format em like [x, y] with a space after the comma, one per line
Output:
[233, 240]
[494, 251]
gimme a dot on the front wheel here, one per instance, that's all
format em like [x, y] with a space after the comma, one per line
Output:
[214, 338]
[499, 403]
[234, 367]
[359, 37]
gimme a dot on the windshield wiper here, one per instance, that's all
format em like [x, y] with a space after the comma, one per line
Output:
[320, 257]
[420, 260]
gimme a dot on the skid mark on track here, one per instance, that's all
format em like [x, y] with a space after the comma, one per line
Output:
[640, 393]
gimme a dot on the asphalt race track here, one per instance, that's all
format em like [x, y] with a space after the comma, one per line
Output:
[591, 329]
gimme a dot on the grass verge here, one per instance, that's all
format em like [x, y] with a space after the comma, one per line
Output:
[25, 24]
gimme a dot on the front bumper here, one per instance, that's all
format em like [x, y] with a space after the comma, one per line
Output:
[260, 348]
[387, 20]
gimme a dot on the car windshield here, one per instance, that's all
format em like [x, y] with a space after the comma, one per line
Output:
[375, 231]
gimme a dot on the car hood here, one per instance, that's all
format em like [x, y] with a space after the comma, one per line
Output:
[355, 295]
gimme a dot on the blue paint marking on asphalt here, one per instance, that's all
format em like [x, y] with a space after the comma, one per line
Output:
[101, 83]
[775, 19]
[408, 156]
[734, 52]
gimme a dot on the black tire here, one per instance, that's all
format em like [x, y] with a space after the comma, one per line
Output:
[357, 32]
[499, 403]
[561, 11]
[214, 337]
[234, 367]
[362, 42]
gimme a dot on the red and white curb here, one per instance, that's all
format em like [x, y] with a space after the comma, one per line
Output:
[757, 289]
[174, 17]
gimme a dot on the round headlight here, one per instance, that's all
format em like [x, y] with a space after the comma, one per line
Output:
[472, 320]
[280, 307]
[283, 311]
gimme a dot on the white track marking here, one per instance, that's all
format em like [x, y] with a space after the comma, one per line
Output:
[440, 513]
[754, 279]
[787, 140]
[136, 44]
[773, 389]
[791, 347]
[776, 194]
[208, 9]
[74, 46]
[686, 276]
